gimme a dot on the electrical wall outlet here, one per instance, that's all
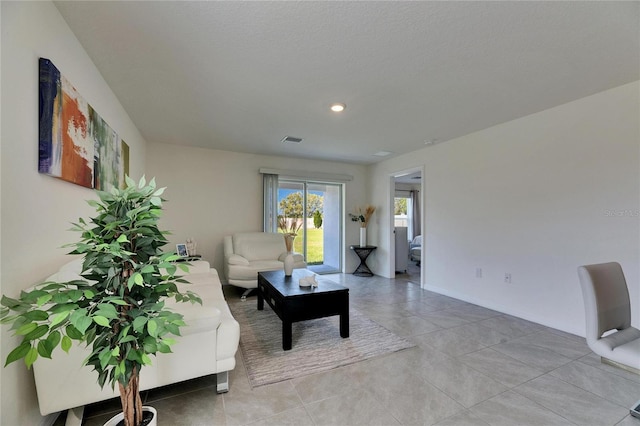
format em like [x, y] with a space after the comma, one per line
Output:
[507, 277]
[478, 272]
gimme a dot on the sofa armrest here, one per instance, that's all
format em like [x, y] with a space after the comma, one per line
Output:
[236, 259]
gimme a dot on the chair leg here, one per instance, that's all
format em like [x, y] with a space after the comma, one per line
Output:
[246, 293]
[222, 380]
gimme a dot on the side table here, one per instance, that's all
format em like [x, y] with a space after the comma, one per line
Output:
[363, 252]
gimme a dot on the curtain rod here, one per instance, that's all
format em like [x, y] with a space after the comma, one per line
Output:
[325, 177]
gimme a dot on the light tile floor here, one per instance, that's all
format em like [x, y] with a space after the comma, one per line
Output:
[471, 366]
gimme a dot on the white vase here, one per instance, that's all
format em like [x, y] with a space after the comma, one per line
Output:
[113, 421]
[363, 237]
[288, 264]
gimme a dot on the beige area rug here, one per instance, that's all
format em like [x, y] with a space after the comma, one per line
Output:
[317, 345]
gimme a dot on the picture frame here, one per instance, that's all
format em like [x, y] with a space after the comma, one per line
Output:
[181, 249]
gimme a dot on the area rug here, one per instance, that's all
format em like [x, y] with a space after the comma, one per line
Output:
[317, 345]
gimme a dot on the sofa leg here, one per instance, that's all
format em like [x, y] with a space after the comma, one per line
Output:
[222, 380]
[246, 293]
[74, 416]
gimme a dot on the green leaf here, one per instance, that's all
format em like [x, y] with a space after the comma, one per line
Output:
[53, 339]
[75, 295]
[147, 269]
[100, 320]
[169, 341]
[74, 333]
[104, 357]
[126, 339]
[156, 201]
[139, 322]
[107, 307]
[130, 282]
[142, 182]
[135, 356]
[44, 349]
[9, 302]
[36, 315]
[137, 278]
[115, 352]
[18, 353]
[66, 307]
[129, 182]
[39, 331]
[89, 294]
[43, 299]
[60, 298]
[149, 344]
[118, 302]
[122, 239]
[66, 344]
[145, 359]
[152, 327]
[31, 357]
[82, 323]
[58, 318]
[26, 329]
[165, 349]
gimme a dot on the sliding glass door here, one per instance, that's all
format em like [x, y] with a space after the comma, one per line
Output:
[313, 210]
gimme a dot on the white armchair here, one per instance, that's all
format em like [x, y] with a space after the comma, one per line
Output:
[415, 249]
[247, 253]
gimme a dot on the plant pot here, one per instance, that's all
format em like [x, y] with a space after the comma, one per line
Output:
[113, 421]
[363, 237]
[288, 264]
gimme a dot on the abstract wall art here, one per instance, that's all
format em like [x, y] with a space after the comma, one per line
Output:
[75, 143]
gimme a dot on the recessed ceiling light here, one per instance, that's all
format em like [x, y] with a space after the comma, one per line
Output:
[338, 107]
[382, 153]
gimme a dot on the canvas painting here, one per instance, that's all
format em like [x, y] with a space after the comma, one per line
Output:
[76, 144]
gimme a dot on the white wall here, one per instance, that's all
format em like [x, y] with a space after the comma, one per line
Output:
[37, 209]
[535, 197]
[214, 193]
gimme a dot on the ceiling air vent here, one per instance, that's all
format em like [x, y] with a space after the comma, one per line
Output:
[291, 139]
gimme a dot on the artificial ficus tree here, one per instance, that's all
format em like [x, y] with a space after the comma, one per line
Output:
[117, 309]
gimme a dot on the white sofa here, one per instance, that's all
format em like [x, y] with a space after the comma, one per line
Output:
[247, 253]
[207, 346]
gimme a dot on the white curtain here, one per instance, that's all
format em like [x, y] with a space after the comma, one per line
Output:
[415, 213]
[270, 194]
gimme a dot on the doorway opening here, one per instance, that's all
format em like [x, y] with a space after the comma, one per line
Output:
[406, 227]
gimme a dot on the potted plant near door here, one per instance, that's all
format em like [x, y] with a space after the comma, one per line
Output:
[118, 308]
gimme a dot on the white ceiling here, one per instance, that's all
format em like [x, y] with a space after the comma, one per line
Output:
[240, 76]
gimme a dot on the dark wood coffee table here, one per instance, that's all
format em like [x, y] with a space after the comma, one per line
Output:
[293, 303]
